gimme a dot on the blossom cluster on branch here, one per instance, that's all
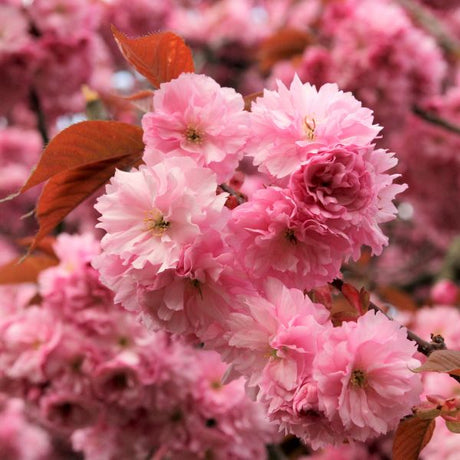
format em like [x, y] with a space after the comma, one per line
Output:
[88, 371]
[235, 280]
[231, 228]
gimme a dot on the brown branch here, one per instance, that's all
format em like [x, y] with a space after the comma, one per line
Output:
[36, 107]
[436, 119]
[238, 195]
[431, 24]
[424, 347]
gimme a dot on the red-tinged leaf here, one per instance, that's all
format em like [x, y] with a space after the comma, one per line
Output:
[250, 98]
[412, 435]
[364, 300]
[85, 143]
[322, 295]
[447, 361]
[46, 245]
[65, 191]
[342, 311]
[159, 57]
[453, 426]
[26, 270]
[283, 45]
[400, 299]
[358, 299]
[143, 100]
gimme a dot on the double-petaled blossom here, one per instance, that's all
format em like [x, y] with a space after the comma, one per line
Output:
[149, 214]
[274, 236]
[291, 124]
[364, 377]
[195, 117]
[349, 190]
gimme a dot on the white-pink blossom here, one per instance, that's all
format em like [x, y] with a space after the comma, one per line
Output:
[364, 375]
[193, 116]
[149, 214]
[290, 124]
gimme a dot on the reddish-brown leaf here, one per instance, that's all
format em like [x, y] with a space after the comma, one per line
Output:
[412, 435]
[358, 299]
[442, 361]
[65, 191]
[400, 299]
[284, 44]
[46, 245]
[248, 100]
[26, 270]
[342, 310]
[143, 100]
[85, 143]
[159, 57]
[322, 295]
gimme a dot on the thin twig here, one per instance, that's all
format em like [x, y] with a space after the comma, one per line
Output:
[423, 346]
[436, 119]
[428, 21]
[37, 109]
[238, 195]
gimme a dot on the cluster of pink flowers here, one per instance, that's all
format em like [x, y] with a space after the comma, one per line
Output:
[48, 50]
[215, 242]
[235, 280]
[429, 152]
[373, 49]
[88, 372]
[20, 438]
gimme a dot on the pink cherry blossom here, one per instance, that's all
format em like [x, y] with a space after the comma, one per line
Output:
[196, 298]
[274, 236]
[290, 124]
[269, 334]
[27, 338]
[21, 439]
[364, 376]
[445, 292]
[370, 55]
[349, 190]
[63, 17]
[438, 320]
[65, 411]
[149, 214]
[193, 116]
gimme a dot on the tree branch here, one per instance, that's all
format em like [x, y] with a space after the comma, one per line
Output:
[37, 109]
[232, 192]
[436, 119]
[428, 21]
[424, 347]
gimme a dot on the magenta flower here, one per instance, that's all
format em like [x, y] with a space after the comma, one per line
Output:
[349, 190]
